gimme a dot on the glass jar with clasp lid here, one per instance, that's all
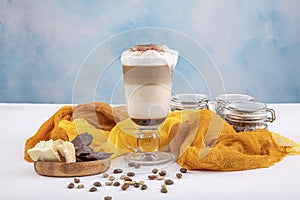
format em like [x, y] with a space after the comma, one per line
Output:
[248, 116]
[189, 101]
[223, 99]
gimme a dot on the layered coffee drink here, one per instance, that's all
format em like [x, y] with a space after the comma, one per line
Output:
[148, 73]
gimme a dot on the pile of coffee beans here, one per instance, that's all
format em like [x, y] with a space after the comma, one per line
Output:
[126, 180]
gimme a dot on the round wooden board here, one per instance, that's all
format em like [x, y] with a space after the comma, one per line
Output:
[57, 169]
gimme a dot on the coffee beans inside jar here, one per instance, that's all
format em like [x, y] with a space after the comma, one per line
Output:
[248, 116]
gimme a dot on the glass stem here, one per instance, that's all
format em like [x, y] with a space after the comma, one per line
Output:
[148, 140]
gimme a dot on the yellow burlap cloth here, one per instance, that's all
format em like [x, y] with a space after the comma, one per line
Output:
[200, 140]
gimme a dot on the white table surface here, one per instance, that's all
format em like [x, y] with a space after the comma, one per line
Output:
[20, 181]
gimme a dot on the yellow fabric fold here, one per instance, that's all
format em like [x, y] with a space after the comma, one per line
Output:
[200, 140]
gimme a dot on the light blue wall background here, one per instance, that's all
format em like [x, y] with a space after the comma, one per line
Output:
[255, 45]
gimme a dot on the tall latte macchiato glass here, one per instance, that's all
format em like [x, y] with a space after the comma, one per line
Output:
[148, 74]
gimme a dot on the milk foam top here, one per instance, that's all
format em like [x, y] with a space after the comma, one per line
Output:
[149, 55]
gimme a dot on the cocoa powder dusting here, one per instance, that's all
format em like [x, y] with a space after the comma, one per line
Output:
[146, 47]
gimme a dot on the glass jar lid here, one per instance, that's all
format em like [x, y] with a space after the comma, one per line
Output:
[249, 111]
[224, 98]
[189, 101]
[248, 107]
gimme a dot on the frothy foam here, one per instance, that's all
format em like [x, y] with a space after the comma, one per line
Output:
[149, 55]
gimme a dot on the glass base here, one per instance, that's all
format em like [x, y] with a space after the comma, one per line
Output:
[150, 159]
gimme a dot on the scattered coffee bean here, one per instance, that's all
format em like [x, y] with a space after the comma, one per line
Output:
[162, 173]
[137, 165]
[169, 182]
[179, 175]
[136, 185]
[154, 171]
[108, 183]
[122, 177]
[130, 174]
[127, 182]
[118, 171]
[76, 180]
[183, 170]
[80, 186]
[141, 182]
[132, 182]
[71, 185]
[127, 179]
[125, 186]
[105, 175]
[97, 184]
[164, 190]
[107, 198]
[152, 177]
[116, 184]
[93, 189]
[131, 164]
[111, 178]
[164, 186]
[144, 187]
[160, 178]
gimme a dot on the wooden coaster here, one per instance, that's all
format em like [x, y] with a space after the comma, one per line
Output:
[57, 169]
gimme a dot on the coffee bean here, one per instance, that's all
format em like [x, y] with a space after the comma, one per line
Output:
[107, 198]
[127, 182]
[162, 173]
[179, 175]
[125, 186]
[131, 174]
[118, 171]
[164, 186]
[71, 185]
[160, 178]
[116, 184]
[164, 190]
[76, 180]
[105, 175]
[80, 186]
[141, 182]
[122, 177]
[137, 165]
[183, 170]
[144, 187]
[136, 185]
[108, 183]
[152, 177]
[97, 184]
[93, 189]
[169, 182]
[127, 179]
[132, 182]
[131, 164]
[154, 171]
[111, 178]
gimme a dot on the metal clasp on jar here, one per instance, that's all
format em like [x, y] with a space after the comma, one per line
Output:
[272, 117]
